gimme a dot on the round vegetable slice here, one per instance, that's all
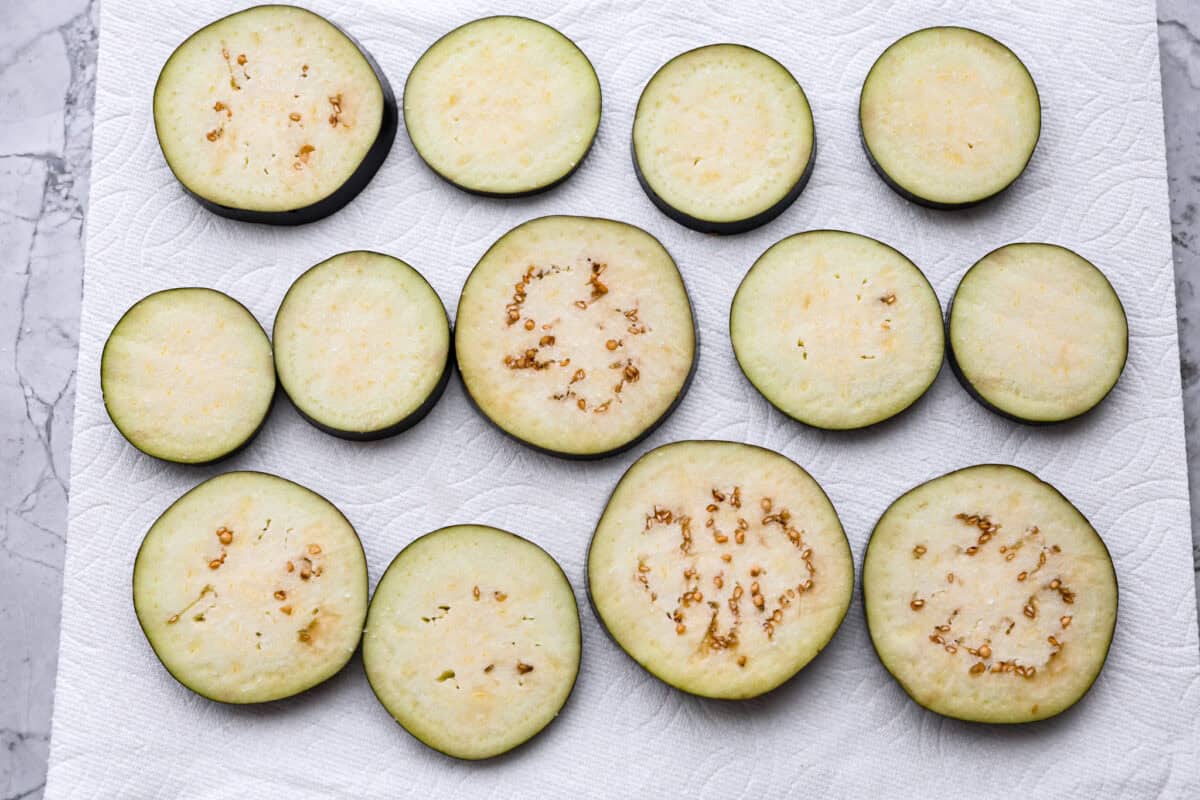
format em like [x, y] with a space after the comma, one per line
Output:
[721, 568]
[503, 106]
[472, 640]
[251, 588]
[949, 116]
[1037, 333]
[575, 335]
[362, 345]
[723, 139]
[989, 597]
[273, 114]
[837, 330]
[187, 375]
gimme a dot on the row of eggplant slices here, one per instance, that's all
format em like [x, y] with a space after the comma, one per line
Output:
[251, 588]
[576, 336]
[261, 129]
[721, 568]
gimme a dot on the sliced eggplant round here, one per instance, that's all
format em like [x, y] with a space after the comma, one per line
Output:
[362, 345]
[837, 330]
[503, 106]
[949, 116]
[723, 139]
[472, 641]
[273, 114]
[251, 588]
[575, 335]
[187, 375]
[1037, 333]
[989, 597]
[721, 568]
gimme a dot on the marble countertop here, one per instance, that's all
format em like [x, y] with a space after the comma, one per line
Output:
[47, 83]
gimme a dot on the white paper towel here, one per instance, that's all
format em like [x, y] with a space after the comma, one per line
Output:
[124, 728]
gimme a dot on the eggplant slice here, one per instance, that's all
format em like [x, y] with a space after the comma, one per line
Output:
[251, 588]
[575, 335]
[187, 375]
[472, 641]
[273, 114]
[989, 597]
[1037, 333]
[837, 330]
[723, 139]
[503, 106]
[721, 568]
[362, 345]
[949, 116]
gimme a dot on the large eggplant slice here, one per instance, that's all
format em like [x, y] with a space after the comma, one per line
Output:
[989, 597]
[251, 588]
[1037, 333]
[472, 640]
[187, 375]
[362, 345]
[273, 114]
[723, 139]
[575, 335]
[721, 568]
[837, 330]
[949, 116]
[503, 106]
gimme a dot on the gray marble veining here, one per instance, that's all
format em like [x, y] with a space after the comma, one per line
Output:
[47, 82]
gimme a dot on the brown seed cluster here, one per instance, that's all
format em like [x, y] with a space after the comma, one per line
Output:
[302, 156]
[941, 635]
[530, 358]
[233, 82]
[335, 114]
[769, 606]
[634, 326]
[987, 530]
[306, 634]
[599, 288]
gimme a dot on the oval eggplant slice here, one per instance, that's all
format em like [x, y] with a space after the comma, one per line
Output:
[187, 375]
[503, 106]
[575, 335]
[472, 641]
[837, 330]
[274, 115]
[251, 588]
[723, 139]
[1037, 333]
[362, 345]
[721, 568]
[949, 116]
[989, 597]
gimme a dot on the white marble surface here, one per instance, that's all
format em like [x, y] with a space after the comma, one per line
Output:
[47, 70]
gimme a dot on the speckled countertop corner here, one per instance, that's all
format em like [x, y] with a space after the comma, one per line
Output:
[47, 74]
